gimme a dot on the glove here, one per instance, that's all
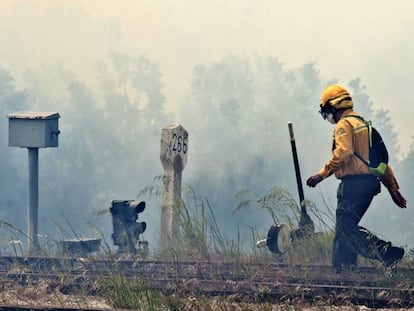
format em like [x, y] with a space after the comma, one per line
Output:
[399, 199]
[314, 180]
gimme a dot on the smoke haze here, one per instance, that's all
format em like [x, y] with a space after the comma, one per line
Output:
[370, 40]
[373, 39]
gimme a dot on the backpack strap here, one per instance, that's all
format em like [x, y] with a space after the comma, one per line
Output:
[378, 171]
[369, 126]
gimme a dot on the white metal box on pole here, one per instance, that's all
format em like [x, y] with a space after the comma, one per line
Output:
[33, 129]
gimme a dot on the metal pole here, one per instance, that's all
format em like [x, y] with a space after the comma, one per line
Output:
[306, 225]
[297, 169]
[33, 199]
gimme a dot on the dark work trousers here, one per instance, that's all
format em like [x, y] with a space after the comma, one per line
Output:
[355, 194]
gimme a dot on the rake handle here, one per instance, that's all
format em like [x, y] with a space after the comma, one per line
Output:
[297, 169]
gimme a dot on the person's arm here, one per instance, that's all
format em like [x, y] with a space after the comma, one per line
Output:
[390, 182]
[342, 153]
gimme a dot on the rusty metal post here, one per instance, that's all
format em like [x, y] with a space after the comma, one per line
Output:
[173, 155]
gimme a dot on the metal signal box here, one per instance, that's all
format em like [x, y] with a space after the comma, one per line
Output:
[126, 228]
[34, 129]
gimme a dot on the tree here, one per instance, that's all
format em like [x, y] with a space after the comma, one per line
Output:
[12, 177]
[361, 100]
[134, 111]
[237, 115]
[132, 89]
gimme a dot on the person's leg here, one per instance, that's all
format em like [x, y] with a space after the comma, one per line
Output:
[344, 255]
[354, 199]
[373, 247]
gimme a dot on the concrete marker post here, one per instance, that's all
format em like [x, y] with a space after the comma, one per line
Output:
[173, 155]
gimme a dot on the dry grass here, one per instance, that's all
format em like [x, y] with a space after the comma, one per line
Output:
[42, 295]
[35, 296]
[201, 238]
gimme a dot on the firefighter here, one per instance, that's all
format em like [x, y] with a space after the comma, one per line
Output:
[357, 187]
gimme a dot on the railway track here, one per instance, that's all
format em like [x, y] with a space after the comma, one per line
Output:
[258, 282]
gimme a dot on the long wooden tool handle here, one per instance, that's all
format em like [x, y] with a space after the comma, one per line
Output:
[297, 169]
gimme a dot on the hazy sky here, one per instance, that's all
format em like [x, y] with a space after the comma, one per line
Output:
[373, 40]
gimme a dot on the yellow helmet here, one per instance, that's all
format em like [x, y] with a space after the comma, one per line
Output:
[337, 96]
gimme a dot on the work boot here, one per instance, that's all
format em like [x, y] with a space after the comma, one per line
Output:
[393, 256]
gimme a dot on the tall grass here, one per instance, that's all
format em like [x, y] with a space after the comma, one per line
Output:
[128, 293]
[283, 209]
[201, 238]
[199, 232]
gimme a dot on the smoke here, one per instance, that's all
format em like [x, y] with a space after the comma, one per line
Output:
[181, 35]
[232, 73]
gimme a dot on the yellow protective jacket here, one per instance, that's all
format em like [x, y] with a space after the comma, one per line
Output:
[351, 135]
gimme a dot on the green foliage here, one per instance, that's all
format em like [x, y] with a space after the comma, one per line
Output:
[200, 234]
[127, 293]
[277, 202]
[316, 248]
[99, 131]
[12, 185]
[236, 112]
[283, 209]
